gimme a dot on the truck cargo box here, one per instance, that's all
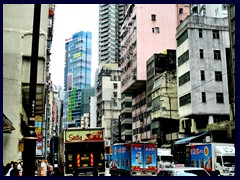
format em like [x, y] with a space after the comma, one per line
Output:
[134, 159]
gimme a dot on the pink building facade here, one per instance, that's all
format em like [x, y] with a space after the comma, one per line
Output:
[147, 29]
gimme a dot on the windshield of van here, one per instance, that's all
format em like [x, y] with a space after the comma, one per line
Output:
[167, 159]
[228, 161]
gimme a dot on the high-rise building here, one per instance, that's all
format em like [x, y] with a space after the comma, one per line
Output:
[110, 19]
[85, 98]
[146, 29]
[77, 75]
[108, 90]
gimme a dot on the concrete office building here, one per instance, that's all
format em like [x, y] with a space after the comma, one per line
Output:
[17, 48]
[231, 62]
[202, 43]
[108, 100]
[162, 104]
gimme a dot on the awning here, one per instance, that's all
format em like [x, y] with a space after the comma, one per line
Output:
[7, 125]
[188, 139]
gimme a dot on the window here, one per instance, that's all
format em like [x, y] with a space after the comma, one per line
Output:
[155, 30]
[153, 17]
[202, 75]
[188, 123]
[200, 33]
[219, 160]
[218, 75]
[183, 58]
[182, 38]
[115, 85]
[217, 54]
[180, 10]
[219, 97]
[201, 53]
[215, 34]
[115, 94]
[203, 97]
[184, 78]
[186, 99]
[224, 7]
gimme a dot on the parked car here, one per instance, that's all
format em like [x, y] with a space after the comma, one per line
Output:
[183, 171]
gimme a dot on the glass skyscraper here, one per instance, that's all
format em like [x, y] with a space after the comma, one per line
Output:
[77, 75]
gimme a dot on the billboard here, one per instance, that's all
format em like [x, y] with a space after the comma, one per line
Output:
[137, 157]
[87, 135]
[39, 150]
[150, 157]
[201, 156]
[116, 157]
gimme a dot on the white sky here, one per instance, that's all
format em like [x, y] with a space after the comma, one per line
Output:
[69, 19]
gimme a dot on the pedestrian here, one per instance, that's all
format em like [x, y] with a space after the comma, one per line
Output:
[50, 170]
[20, 166]
[56, 171]
[15, 165]
[14, 172]
[20, 173]
[6, 168]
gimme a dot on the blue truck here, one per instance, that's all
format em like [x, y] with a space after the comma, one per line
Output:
[134, 159]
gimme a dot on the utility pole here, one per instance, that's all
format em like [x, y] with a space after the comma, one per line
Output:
[29, 153]
[170, 110]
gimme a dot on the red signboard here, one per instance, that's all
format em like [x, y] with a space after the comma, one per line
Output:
[86, 135]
